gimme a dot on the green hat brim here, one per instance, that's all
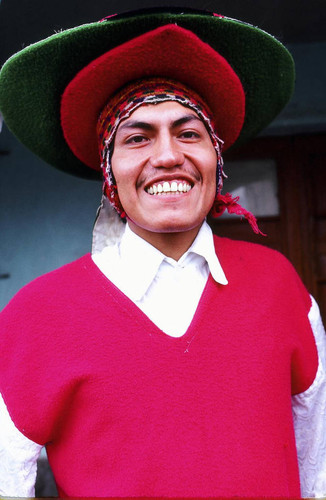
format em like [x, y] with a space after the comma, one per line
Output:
[33, 80]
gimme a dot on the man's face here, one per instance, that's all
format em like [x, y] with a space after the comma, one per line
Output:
[164, 164]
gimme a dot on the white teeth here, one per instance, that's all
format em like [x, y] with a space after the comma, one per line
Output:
[167, 187]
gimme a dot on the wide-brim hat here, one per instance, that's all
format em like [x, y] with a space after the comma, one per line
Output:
[52, 92]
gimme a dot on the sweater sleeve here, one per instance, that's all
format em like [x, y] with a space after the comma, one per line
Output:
[309, 416]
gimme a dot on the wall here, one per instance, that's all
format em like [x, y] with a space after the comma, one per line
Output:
[306, 112]
[46, 216]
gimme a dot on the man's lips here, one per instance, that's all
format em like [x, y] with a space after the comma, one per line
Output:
[176, 186]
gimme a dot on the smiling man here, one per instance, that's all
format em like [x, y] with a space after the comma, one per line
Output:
[168, 362]
[164, 164]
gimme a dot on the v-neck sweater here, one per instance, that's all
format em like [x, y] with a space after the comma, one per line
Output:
[166, 290]
[126, 410]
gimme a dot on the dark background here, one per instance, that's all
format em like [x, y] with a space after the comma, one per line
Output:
[25, 21]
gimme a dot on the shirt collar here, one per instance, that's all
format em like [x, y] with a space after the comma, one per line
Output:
[204, 245]
[141, 260]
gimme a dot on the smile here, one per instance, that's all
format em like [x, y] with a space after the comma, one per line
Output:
[177, 187]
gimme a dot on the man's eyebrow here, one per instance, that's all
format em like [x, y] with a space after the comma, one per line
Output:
[149, 126]
[136, 124]
[185, 119]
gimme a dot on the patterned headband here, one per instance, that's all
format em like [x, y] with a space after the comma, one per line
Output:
[120, 107]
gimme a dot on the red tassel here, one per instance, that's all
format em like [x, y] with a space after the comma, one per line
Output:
[226, 202]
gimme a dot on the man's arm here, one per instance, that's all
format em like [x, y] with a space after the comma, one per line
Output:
[309, 415]
[18, 458]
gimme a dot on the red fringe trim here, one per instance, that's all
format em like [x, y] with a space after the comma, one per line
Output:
[226, 202]
[112, 194]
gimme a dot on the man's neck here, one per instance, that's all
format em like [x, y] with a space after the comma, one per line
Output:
[172, 245]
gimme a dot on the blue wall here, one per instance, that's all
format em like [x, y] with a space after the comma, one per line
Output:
[46, 216]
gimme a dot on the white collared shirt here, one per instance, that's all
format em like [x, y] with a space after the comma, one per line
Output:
[166, 290]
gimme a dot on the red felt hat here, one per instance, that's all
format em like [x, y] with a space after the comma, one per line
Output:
[169, 51]
[182, 43]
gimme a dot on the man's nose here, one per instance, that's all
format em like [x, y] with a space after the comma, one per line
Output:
[166, 153]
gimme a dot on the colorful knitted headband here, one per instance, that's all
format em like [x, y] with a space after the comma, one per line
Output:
[148, 91]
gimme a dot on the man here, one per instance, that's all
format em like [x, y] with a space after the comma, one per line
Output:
[163, 364]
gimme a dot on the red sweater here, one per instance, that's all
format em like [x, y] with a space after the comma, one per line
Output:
[126, 410]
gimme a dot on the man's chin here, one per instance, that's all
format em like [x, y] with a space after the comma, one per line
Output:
[167, 227]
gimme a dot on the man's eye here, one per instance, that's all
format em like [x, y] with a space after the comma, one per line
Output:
[136, 139]
[189, 134]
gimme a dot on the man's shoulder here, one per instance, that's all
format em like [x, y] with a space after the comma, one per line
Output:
[245, 249]
[255, 261]
[68, 272]
[261, 268]
[51, 285]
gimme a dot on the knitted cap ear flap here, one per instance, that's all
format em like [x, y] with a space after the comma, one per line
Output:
[111, 192]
